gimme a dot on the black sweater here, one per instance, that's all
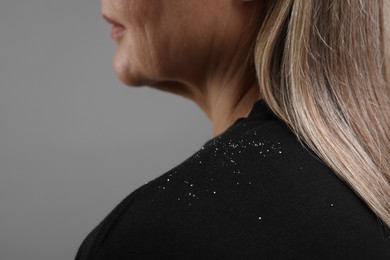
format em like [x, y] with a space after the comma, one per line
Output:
[253, 192]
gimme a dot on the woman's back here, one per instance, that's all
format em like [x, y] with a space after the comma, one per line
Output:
[254, 192]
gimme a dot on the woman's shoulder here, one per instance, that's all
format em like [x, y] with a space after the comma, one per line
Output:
[253, 190]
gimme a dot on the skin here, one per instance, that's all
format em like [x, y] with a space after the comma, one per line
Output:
[192, 48]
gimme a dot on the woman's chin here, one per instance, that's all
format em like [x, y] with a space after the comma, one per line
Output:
[130, 80]
[125, 73]
[133, 79]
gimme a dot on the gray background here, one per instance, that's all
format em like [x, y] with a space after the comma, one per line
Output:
[74, 140]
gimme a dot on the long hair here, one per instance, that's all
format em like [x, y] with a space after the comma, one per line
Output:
[323, 68]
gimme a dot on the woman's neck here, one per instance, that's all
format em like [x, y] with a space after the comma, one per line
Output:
[228, 97]
[224, 106]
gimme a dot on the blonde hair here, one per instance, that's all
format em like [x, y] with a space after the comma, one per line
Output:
[324, 69]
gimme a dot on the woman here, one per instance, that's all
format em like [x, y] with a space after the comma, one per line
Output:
[298, 95]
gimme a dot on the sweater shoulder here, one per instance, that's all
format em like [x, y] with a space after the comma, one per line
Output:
[255, 184]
